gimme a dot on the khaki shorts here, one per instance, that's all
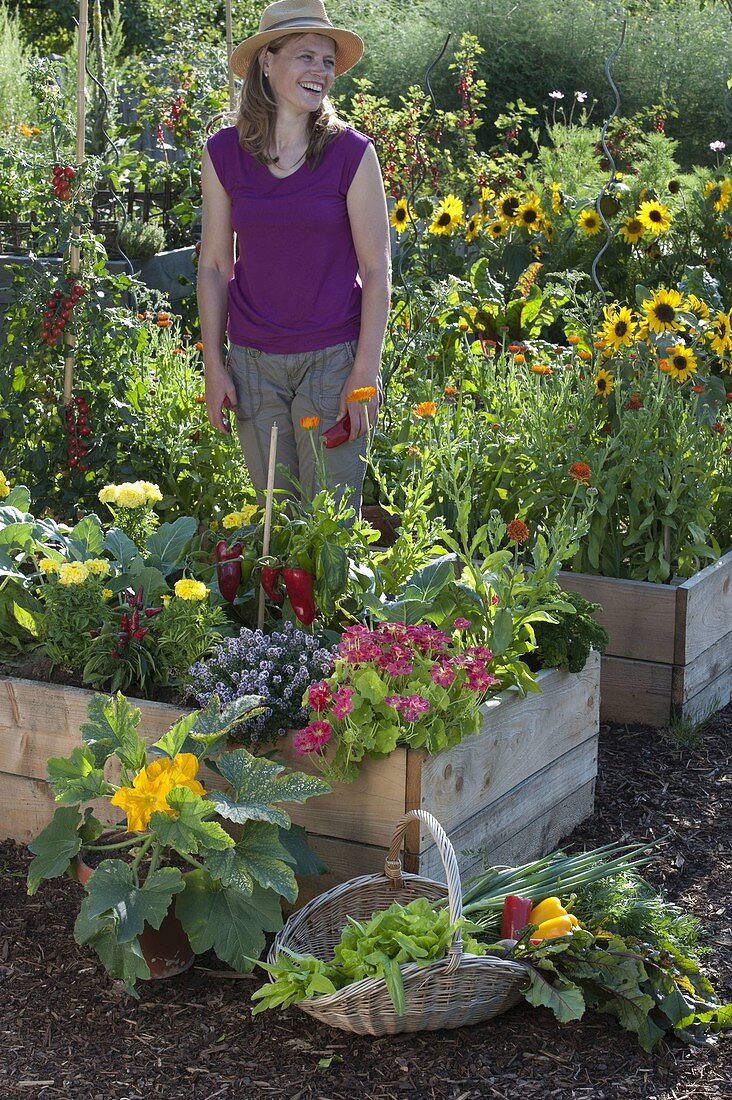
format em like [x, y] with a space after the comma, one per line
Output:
[282, 389]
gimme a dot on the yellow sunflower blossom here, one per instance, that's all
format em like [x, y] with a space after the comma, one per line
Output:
[529, 215]
[72, 572]
[720, 334]
[589, 222]
[718, 192]
[654, 216]
[400, 216]
[699, 308]
[507, 207]
[448, 216]
[496, 229]
[188, 589]
[604, 384]
[632, 229]
[557, 198]
[661, 311]
[4, 487]
[151, 787]
[681, 362]
[618, 329]
[486, 197]
[472, 229]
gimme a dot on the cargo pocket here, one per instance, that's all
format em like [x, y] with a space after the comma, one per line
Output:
[243, 366]
[335, 368]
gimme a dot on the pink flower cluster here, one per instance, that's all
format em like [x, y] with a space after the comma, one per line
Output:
[390, 644]
[411, 707]
[312, 738]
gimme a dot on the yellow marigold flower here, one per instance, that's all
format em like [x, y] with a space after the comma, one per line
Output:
[98, 567]
[188, 589]
[362, 394]
[448, 216]
[589, 222]
[604, 383]
[309, 423]
[130, 496]
[718, 192]
[472, 229]
[247, 513]
[720, 334]
[231, 521]
[72, 572]
[4, 487]
[151, 787]
[662, 311]
[681, 362]
[108, 495]
[107, 593]
[400, 216]
[425, 408]
[632, 229]
[496, 229]
[47, 565]
[151, 491]
[618, 328]
[654, 217]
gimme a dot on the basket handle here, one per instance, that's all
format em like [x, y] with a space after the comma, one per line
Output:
[393, 871]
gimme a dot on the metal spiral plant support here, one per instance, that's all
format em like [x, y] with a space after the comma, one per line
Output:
[609, 156]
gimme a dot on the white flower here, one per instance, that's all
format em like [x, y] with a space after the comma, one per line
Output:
[580, 96]
[556, 95]
[717, 146]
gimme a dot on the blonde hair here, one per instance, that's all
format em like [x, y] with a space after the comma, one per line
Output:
[257, 114]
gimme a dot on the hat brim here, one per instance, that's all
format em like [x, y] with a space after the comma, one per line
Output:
[349, 47]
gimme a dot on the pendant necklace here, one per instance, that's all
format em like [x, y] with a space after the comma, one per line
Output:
[284, 168]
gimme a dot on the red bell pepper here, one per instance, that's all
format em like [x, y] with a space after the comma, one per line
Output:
[269, 578]
[339, 433]
[515, 916]
[228, 568]
[300, 584]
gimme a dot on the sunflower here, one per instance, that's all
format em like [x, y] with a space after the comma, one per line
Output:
[507, 207]
[557, 198]
[589, 222]
[486, 197]
[632, 229]
[448, 216]
[654, 216]
[472, 229]
[618, 328]
[721, 333]
[699, 308]
[604, 383]
[718, 192]
[528, 215]
[661, 311]
[496, 229]
[681, 362]
[548, 230]
[400, 216]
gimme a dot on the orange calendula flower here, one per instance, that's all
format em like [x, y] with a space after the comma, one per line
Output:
[151, 787]
[198, 345]
[517, 531]
[309, 423]
[580, 471]
[541, 368]
[200, 398]
[450, 391]
[573, 339]
[519, 358]
[163, 320]
[582, 354]
[634, 402]
[362, 395]
[425, 408]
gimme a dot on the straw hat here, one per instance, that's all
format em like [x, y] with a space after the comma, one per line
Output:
[297, 17]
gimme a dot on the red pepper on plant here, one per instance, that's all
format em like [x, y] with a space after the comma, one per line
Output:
[269, 579]
[228, 568]
[300, 584]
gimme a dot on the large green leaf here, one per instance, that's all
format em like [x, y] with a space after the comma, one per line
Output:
[112, 728]
[427, 583]
[112, 889]
[299, 853]
[257, 783]
[257, 857]
[333, 574]
[86, 539]
[120, 546]
[18, 497]
[75, 778]
[213, 725]
[55, 847]
[562, 996]
[190, 831]
[502, 631]
[152, 580]
[172, 742]
[167, 547]
[121, 960]
[226, 919]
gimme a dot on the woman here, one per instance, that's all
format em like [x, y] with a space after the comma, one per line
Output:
[306, 302]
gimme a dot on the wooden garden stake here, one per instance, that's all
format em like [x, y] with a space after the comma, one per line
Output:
[229, 52]
[268, 513]
[75, 249]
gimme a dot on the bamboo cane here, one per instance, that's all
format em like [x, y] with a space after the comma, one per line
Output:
[268, 512]
[229, 52]
[75, 249]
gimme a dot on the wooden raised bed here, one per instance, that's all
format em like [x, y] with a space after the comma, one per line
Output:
[670, 651]
[514, 789]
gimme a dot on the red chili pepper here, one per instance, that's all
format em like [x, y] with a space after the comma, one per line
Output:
[299, 584]
[124, 622]
[339, 433]
[515, 916]
[269, 578]
[140, 634]
[228, 571]
[151, 612]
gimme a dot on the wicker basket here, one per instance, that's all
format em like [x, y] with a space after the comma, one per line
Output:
[457, 990]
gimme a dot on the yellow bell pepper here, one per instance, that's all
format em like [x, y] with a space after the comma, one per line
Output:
[546, 910]
[551, 929]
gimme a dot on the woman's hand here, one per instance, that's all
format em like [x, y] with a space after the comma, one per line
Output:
[363, 413]
[219, 390]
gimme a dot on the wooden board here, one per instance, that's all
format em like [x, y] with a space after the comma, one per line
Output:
[704, 610]
[635, 691]
[639, 616]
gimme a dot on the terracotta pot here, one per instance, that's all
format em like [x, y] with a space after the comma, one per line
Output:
[384, 522]
[167, 949]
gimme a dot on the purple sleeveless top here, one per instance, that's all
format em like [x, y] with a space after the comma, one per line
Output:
[295, 285]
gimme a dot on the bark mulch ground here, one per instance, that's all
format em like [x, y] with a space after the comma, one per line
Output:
[67, 1031]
